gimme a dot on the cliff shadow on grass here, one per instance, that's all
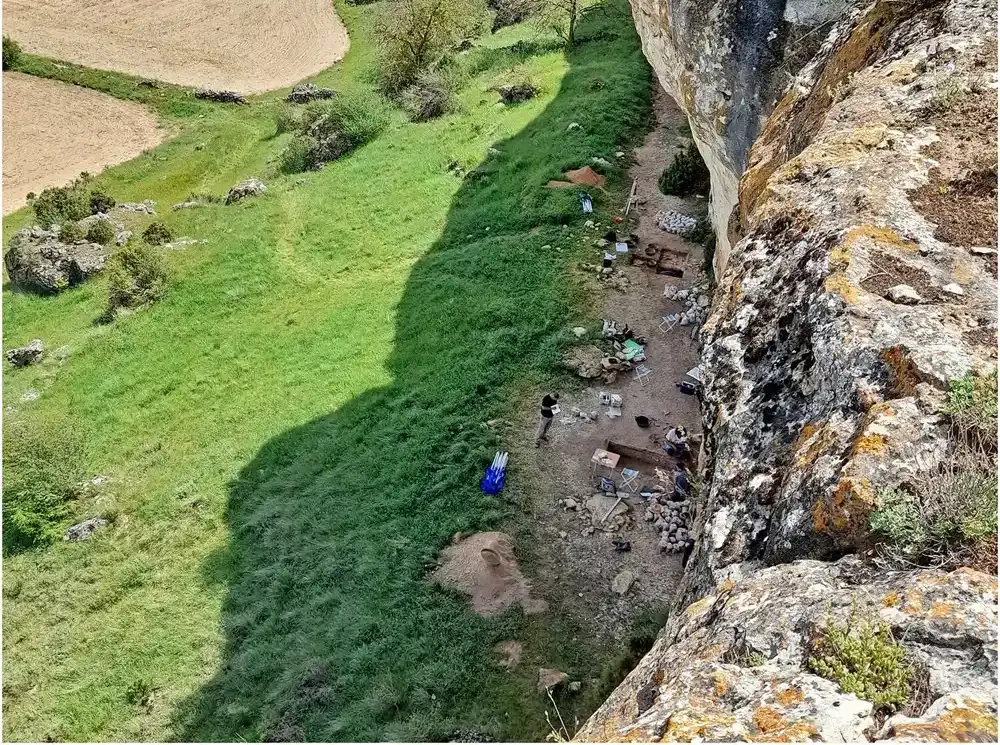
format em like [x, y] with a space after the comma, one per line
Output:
[331, 629]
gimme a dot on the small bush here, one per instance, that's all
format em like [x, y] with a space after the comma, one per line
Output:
[863, 658]
[71, 232]
[330, 129]
[43, 464]
[156, 234]
[101, 202]
[686, 175]
[60, 204]
[11, 53]
[286, 119]
[972, 406]
[136, 276]
[101, 231]
[433, 95]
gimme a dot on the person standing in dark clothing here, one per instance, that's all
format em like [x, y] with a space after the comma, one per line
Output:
[545, 421]
[688, 548]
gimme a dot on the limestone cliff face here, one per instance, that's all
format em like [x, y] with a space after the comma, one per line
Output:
[726, 63]
[875, 169]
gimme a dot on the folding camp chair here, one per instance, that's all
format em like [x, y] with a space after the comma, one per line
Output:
[641, 373]
[629, 476]
[669, 322]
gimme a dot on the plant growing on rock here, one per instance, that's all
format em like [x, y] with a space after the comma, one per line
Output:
[136, 276]
[156, 234]
[863, 658]
[101, 202]
[101, 231]
[43, 466]
[417, 35]
[433, 95]
[59, 204]
[686, 175]
[330, 129]
[71, 232]
[11, 53]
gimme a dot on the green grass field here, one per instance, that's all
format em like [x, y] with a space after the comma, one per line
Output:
[293, 430]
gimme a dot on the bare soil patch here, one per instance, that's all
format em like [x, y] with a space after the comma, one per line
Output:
[483, 567]
[52, 131]
[575, 564]
[248, 46]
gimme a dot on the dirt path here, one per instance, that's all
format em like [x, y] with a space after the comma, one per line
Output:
[244, 45]
[52, 131]
[573, 570]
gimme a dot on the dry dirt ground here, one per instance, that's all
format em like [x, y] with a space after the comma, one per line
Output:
[93, 131]
[574, 573]
[246, 45]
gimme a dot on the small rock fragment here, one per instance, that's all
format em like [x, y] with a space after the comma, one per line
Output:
[904, 295]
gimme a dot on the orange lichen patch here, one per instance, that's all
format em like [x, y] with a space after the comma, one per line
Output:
[816, 443]
[846, 511]
[658, 676]
[839, 285]
[881, 409]
[940, 609]
[720, 683]
[727, 585]
[891, 599]
[699, 606]
[913, 602]
[686, 724]
[903, 372]
[793, 732]
[840, 257]
[884, 236]
[969, 723]
[767, 720]
[870, 444]
[790, 696]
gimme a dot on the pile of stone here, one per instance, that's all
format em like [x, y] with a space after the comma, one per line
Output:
[696, 302]
[610, 513]
[672, 521]
[675, 222]
[39, 261]
[517, 92]
[251, 187]
[29, 354]
[220, 96]
[146, 207]
[83, 531]
[308, 92]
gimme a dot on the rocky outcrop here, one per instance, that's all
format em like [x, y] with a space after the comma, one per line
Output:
[860, 282]
[122, 234]
[308, 92]
[727, 63]
[250, 187]
[38, 261]
[732, 667]
[29, 354]
[220, 96]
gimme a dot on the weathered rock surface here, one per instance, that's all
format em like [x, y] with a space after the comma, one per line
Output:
[250, 187]
[83, 531]
[38, 261]
[309, 92]
[220, 96]
[820, 390]
[548, 679]
[732, 666]
[29, 354]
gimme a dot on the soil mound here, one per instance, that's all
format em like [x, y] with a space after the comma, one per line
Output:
[483, 567]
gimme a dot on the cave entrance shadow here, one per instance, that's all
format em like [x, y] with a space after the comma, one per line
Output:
[331, 630]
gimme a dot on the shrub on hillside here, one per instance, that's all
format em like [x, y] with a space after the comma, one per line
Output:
[136, 276]
[509, 12]
[43, 464]
[433, 95]
[101, 231]
[686, 175]
[100, 202]
[863, 658]
[416, 35]
[156, 234]
[286, 119]
[59, 204]
[71, 232]
[11, 53]
[330, 129]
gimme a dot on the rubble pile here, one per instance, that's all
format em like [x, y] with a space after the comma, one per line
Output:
[675, 222]
[672, 521]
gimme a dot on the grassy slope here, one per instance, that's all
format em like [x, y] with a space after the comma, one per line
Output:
[293, 429]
